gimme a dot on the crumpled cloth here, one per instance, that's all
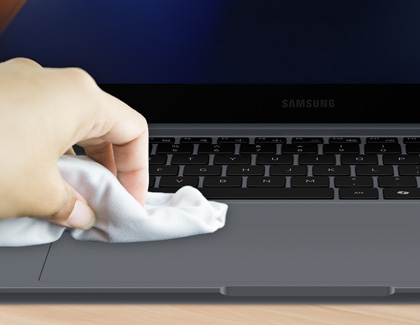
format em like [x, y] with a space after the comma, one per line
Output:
[119, 217]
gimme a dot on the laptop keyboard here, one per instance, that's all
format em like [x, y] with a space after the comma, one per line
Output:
[318, 168]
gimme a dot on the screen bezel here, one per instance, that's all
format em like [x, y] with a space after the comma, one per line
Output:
[271, 103]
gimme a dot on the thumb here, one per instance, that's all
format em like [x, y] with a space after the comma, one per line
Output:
[74, 211]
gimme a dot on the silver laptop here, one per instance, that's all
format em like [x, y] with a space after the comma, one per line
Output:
[300, 115]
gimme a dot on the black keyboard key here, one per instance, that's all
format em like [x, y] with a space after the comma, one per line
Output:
[195, 140]
[238, 170]
[401, 193]
[258, 148]
[161, 140]
[299, 148]
[186, 148]
[397, 181]
[268, 193]
[194, 170]
[163, 170]
[353, 181]
[269, 140]
[233, 140]
[158, 159]
[358, 193]
[381, 140]
[366, 170]
[274, 159]
[335, 148]
[232, 159]
[152, 181]
[359, 159]
[266, 181]
[190, 159]
[216, 148]
[280, 170]
[411, 140]
[384, 148]
[412, 148]
[221, 182]
[178, 181]
[307, 140]
[317, 159]
[401, 159]
[344, 140]
[331, 170]
[310, 181]
[408, 170]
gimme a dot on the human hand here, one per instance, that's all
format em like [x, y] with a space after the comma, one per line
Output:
[43, 113]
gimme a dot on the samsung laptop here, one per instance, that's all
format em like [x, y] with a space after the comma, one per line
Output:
[300, 115]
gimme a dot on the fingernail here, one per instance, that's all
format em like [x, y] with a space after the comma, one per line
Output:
[81, 217]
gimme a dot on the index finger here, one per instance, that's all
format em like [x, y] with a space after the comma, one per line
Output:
[132, 165]
[128, 155]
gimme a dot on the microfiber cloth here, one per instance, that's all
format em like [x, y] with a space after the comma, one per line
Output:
[119, 217]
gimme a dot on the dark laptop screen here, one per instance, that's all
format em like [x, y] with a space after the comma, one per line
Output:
[235, 60]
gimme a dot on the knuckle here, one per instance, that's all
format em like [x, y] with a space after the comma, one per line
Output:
[24, 61]
[80, 77]
[141, 120]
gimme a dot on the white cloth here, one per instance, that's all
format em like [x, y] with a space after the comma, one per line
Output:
[119, 217]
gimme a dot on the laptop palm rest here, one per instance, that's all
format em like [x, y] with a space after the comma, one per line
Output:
[285, 245]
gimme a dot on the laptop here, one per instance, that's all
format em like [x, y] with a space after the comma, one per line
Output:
[300, 115]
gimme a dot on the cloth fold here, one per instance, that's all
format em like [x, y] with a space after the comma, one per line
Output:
[119, 217]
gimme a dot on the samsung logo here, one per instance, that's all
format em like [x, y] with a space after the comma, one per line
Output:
[308, 103]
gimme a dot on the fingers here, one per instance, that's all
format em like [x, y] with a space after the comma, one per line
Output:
[128, 161]
[49, 197]
[124, 146]
[103, 154]
[71, 109]
[73, 210]
[131, 161]
[118, 139]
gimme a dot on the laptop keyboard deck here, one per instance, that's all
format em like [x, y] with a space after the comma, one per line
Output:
[346, 168]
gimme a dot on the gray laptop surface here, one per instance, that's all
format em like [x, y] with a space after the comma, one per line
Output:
[300, 116]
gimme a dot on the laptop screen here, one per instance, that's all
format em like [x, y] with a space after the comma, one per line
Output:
[265, 61]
